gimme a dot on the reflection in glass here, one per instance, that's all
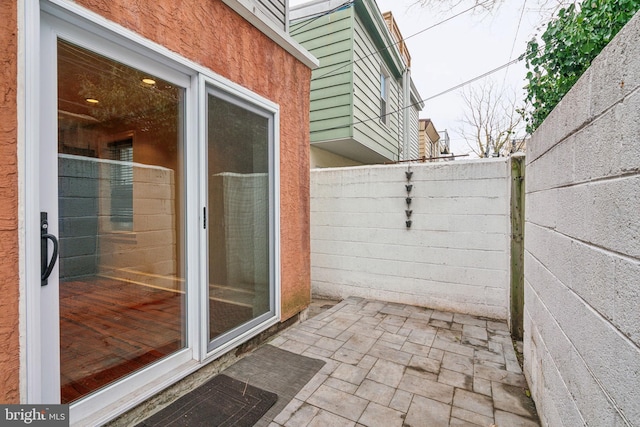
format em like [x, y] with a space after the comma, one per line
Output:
[238, 167]
[122, 291]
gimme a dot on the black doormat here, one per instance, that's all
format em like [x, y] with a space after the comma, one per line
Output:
[276, 370]
[222, 401]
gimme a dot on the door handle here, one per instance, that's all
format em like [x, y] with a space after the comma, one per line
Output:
[46, 265]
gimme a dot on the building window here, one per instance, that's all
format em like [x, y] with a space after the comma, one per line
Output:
[122, 184]
[384, 97]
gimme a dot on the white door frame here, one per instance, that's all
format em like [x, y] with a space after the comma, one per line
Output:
[74, 23]
[41, 306]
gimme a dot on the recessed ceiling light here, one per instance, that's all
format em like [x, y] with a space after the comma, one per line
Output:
[92, 100]
[148, 81]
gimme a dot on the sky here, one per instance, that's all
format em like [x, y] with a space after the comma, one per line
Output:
[459, 50]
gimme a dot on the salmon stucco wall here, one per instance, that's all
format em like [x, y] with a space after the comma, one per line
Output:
[9, 279]
[210, 33]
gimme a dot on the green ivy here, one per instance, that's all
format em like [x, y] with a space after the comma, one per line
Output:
[569, 43]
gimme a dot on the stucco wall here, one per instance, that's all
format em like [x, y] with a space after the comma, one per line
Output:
[582, 247]
[9, 355]
[210, 33]
[454, 257]
[207, 32]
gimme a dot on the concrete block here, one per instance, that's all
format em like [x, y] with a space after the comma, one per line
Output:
[566, 390]
[78, 187]
[78, 207]
[465, 223]
[80, 167]
[549, 391]
[153, 222]
[541, 208]
[460, 188]
[599, 155]
[78, 227]
[615, 70]
[593, 277]
[612, 77]
[453, 239]
[628, 117]
[79, 246]
[497, 204]
[415, 253]
[626, 299]
[552, 170]
[595, 360]
[604, 213]
[545, 245]
[459, 170]
[560, 124]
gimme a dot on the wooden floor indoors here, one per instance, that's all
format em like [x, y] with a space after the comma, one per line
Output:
[111, 328]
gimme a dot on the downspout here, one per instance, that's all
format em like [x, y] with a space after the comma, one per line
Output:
[406, 115]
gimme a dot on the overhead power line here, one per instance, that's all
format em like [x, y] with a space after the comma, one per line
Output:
[444, 92]
[315, 18]
[481, 76]
[515, 38]
[404, 39]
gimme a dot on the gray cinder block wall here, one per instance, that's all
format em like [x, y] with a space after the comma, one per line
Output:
[582, 247]
[454, 257]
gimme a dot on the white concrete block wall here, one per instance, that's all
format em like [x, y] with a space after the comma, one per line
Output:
[454, 257]
[582, 247]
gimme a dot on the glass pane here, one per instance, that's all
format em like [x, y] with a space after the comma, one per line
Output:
[238, 167]
[122, 291]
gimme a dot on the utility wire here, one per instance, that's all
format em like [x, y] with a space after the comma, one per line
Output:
[404, 39]
[481, 76]
[515, 38]
[444, 92]
[524, 6]
[335, 9]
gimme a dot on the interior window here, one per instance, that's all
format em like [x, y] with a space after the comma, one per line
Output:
[122, 184]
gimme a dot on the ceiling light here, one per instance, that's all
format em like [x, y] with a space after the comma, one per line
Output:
[92, 100]
[148, 81]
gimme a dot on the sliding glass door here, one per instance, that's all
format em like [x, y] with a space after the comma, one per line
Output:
[136, 287]
[240, 182]
[112, 197]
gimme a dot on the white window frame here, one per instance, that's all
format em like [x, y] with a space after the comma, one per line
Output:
[92, 31]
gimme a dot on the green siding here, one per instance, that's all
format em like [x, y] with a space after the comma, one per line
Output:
[376, 135]
[329, 102]
[330, 40]
[345, 89]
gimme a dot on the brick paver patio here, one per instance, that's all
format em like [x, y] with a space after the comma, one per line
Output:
[397, 365]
